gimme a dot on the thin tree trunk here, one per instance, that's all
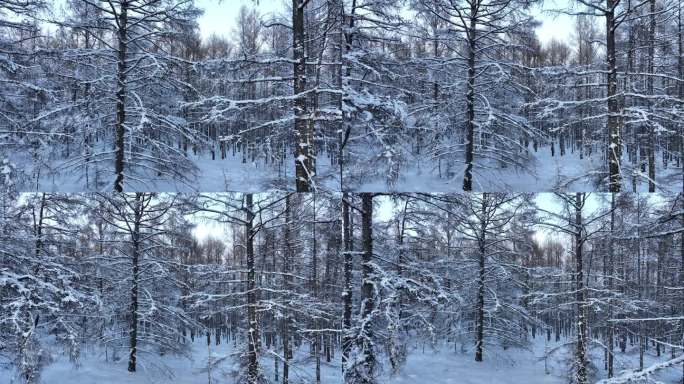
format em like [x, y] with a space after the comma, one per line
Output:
[639, 286]
[135, 238]
[253, 328]
[347, 290]
[614, 144]
[287, 352]
[39, 227]
[304, 165]
[680, 65]
[479, 327]
[348, 38]
[367, 286]
[470, 99]
[121, 96]
[611, 269]
[581, 353]
[314, 284]
[649, 84]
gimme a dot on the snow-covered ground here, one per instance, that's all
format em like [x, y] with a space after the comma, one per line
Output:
[212, 176]
[425, 364]
[543, 173]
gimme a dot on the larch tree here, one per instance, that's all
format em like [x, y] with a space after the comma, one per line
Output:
[137, 56]
[39, 286]
[482, 27]
[144, 270]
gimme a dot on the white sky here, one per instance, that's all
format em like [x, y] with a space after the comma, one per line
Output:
[384, 209]
[206, 228]
[219, 17]
[554, 25]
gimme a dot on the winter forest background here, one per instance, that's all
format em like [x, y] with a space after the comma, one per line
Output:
[401, 95]
[341, 191]
[321, 288]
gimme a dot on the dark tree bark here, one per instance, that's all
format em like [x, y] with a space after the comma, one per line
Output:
[479, 324]
[581, 352]
[367, 286]
[611, 271]
[314, 287]
[304, 161]
[38, 226]
[471, 32]
[347, 290]
[253, 328]
[650, 90]
[135, 241]
[614, 144]
[121, 69]
[680, 89]
[287, 349]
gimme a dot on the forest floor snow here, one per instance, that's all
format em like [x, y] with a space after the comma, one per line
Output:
[424, 364]
[212, 176]
[542, 173]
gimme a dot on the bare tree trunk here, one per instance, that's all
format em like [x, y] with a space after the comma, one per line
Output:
[348, 39]
[314, 286]
[253, 328]
[614, 145]
[634, 153]
[287, 351]
[581, 353]
[611, 270]
[39, 227]
[470, 99]
[121, 96]
[135, 239]
[680, 65]
[681, 272]
[639, 287]
[479, 326]
[347, 293]
[367, 286]
[304, 165]
[649, 85]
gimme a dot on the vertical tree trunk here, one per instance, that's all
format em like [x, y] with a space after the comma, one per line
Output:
[287, 279]
[627, 103]
[479, 325]
[680, 65]
[614, 144]
[470, 99]
[611, 270]
[314, 287]
[348, 39]
[38, 228]
[640, 337]
[649, 85]
[253, 326]
[367, 286]
[347, 290]
[135, 240]
[395, 343]
[121, 96]
[304, 165]
[581, 353]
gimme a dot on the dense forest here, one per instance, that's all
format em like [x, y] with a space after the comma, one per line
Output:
[317, 288]
[342, 95]
[341, 191]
